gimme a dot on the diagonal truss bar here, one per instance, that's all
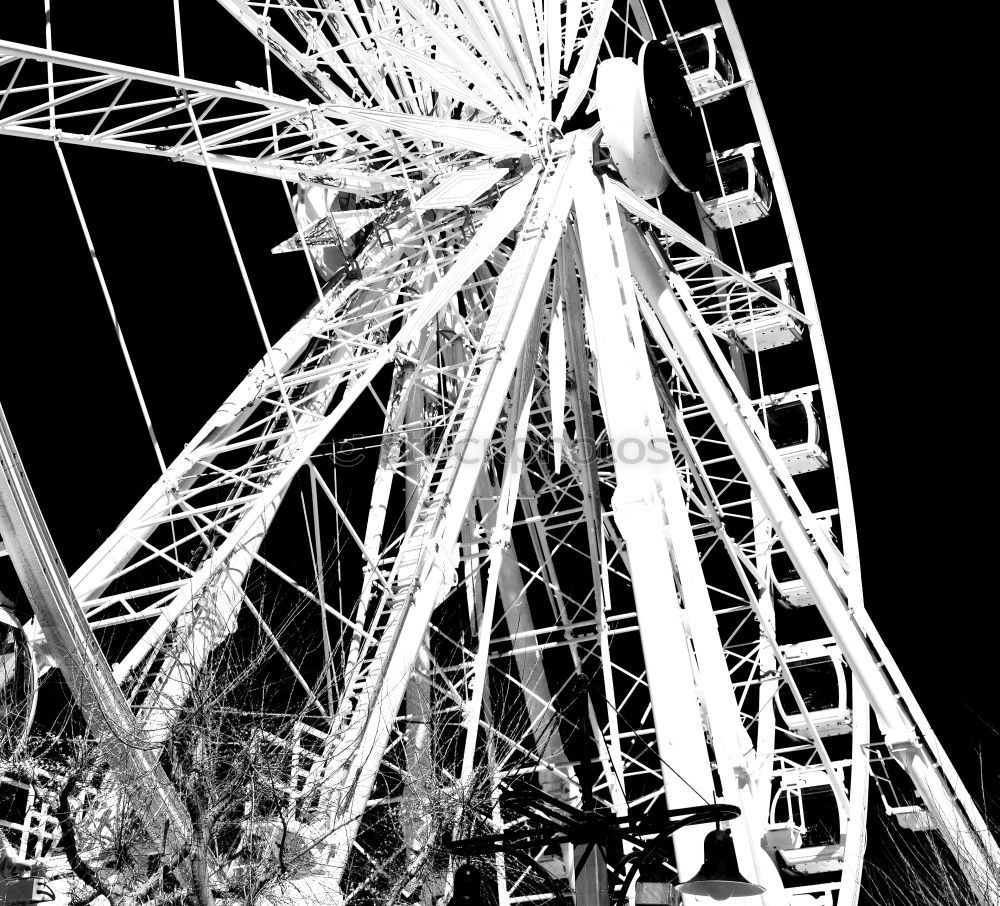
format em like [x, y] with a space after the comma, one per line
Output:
[144, 111]
[421, 572]
[219, 432]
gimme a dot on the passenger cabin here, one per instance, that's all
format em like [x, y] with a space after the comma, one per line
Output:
[898, 797]
[758, 323]
[817, 669]
[806, 822]
[788, 584]
[744, 194]
[709, 73]
[796, 429]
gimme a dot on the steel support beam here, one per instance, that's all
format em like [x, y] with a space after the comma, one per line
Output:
[639, 512]
[72, 643]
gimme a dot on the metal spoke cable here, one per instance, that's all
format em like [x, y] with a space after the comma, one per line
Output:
[93, 255]
[288, 191]
[229, 231]
[111, 308]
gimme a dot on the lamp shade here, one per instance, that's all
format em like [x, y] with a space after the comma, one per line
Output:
[719, 876]
[468, 890]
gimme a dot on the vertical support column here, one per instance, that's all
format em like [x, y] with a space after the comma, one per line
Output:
[511, 316]
[639, 513]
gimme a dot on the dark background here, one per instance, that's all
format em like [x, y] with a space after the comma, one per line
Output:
[877, 120]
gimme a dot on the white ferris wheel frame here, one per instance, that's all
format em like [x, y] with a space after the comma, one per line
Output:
[561, 210]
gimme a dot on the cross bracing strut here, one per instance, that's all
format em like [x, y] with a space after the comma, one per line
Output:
[236, 426]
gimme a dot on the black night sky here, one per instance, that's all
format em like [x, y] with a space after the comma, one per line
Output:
[871, 117]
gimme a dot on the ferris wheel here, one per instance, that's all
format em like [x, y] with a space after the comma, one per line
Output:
[546, 490]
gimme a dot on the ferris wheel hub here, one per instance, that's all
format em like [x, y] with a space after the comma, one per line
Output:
[650, 125]
[626, 134]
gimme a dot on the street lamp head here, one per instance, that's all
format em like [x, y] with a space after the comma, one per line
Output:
[468, 889]
[719, 876]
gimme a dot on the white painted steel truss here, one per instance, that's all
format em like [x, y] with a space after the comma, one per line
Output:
[537, 381]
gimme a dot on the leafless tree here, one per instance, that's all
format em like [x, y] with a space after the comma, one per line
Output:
[906, 867]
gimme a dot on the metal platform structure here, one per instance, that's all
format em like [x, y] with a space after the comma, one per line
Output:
[580, 468]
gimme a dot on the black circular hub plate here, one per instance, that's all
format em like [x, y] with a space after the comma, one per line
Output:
[671, 117]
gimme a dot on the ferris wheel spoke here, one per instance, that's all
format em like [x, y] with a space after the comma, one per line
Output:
[224, 431]
[579, 82]
[493, 42]
[514, 442]
[580, 377]
[552, 23]
[520, 631]
[411, 71]
[505, 21]
[528, 16]
[344, 51]
[638, 10]
[482, 138]
[431, 71]
[466, 62]
[198, 636]
[295, 60]
[126, 90]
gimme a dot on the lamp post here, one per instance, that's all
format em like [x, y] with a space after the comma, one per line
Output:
[603, 880]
